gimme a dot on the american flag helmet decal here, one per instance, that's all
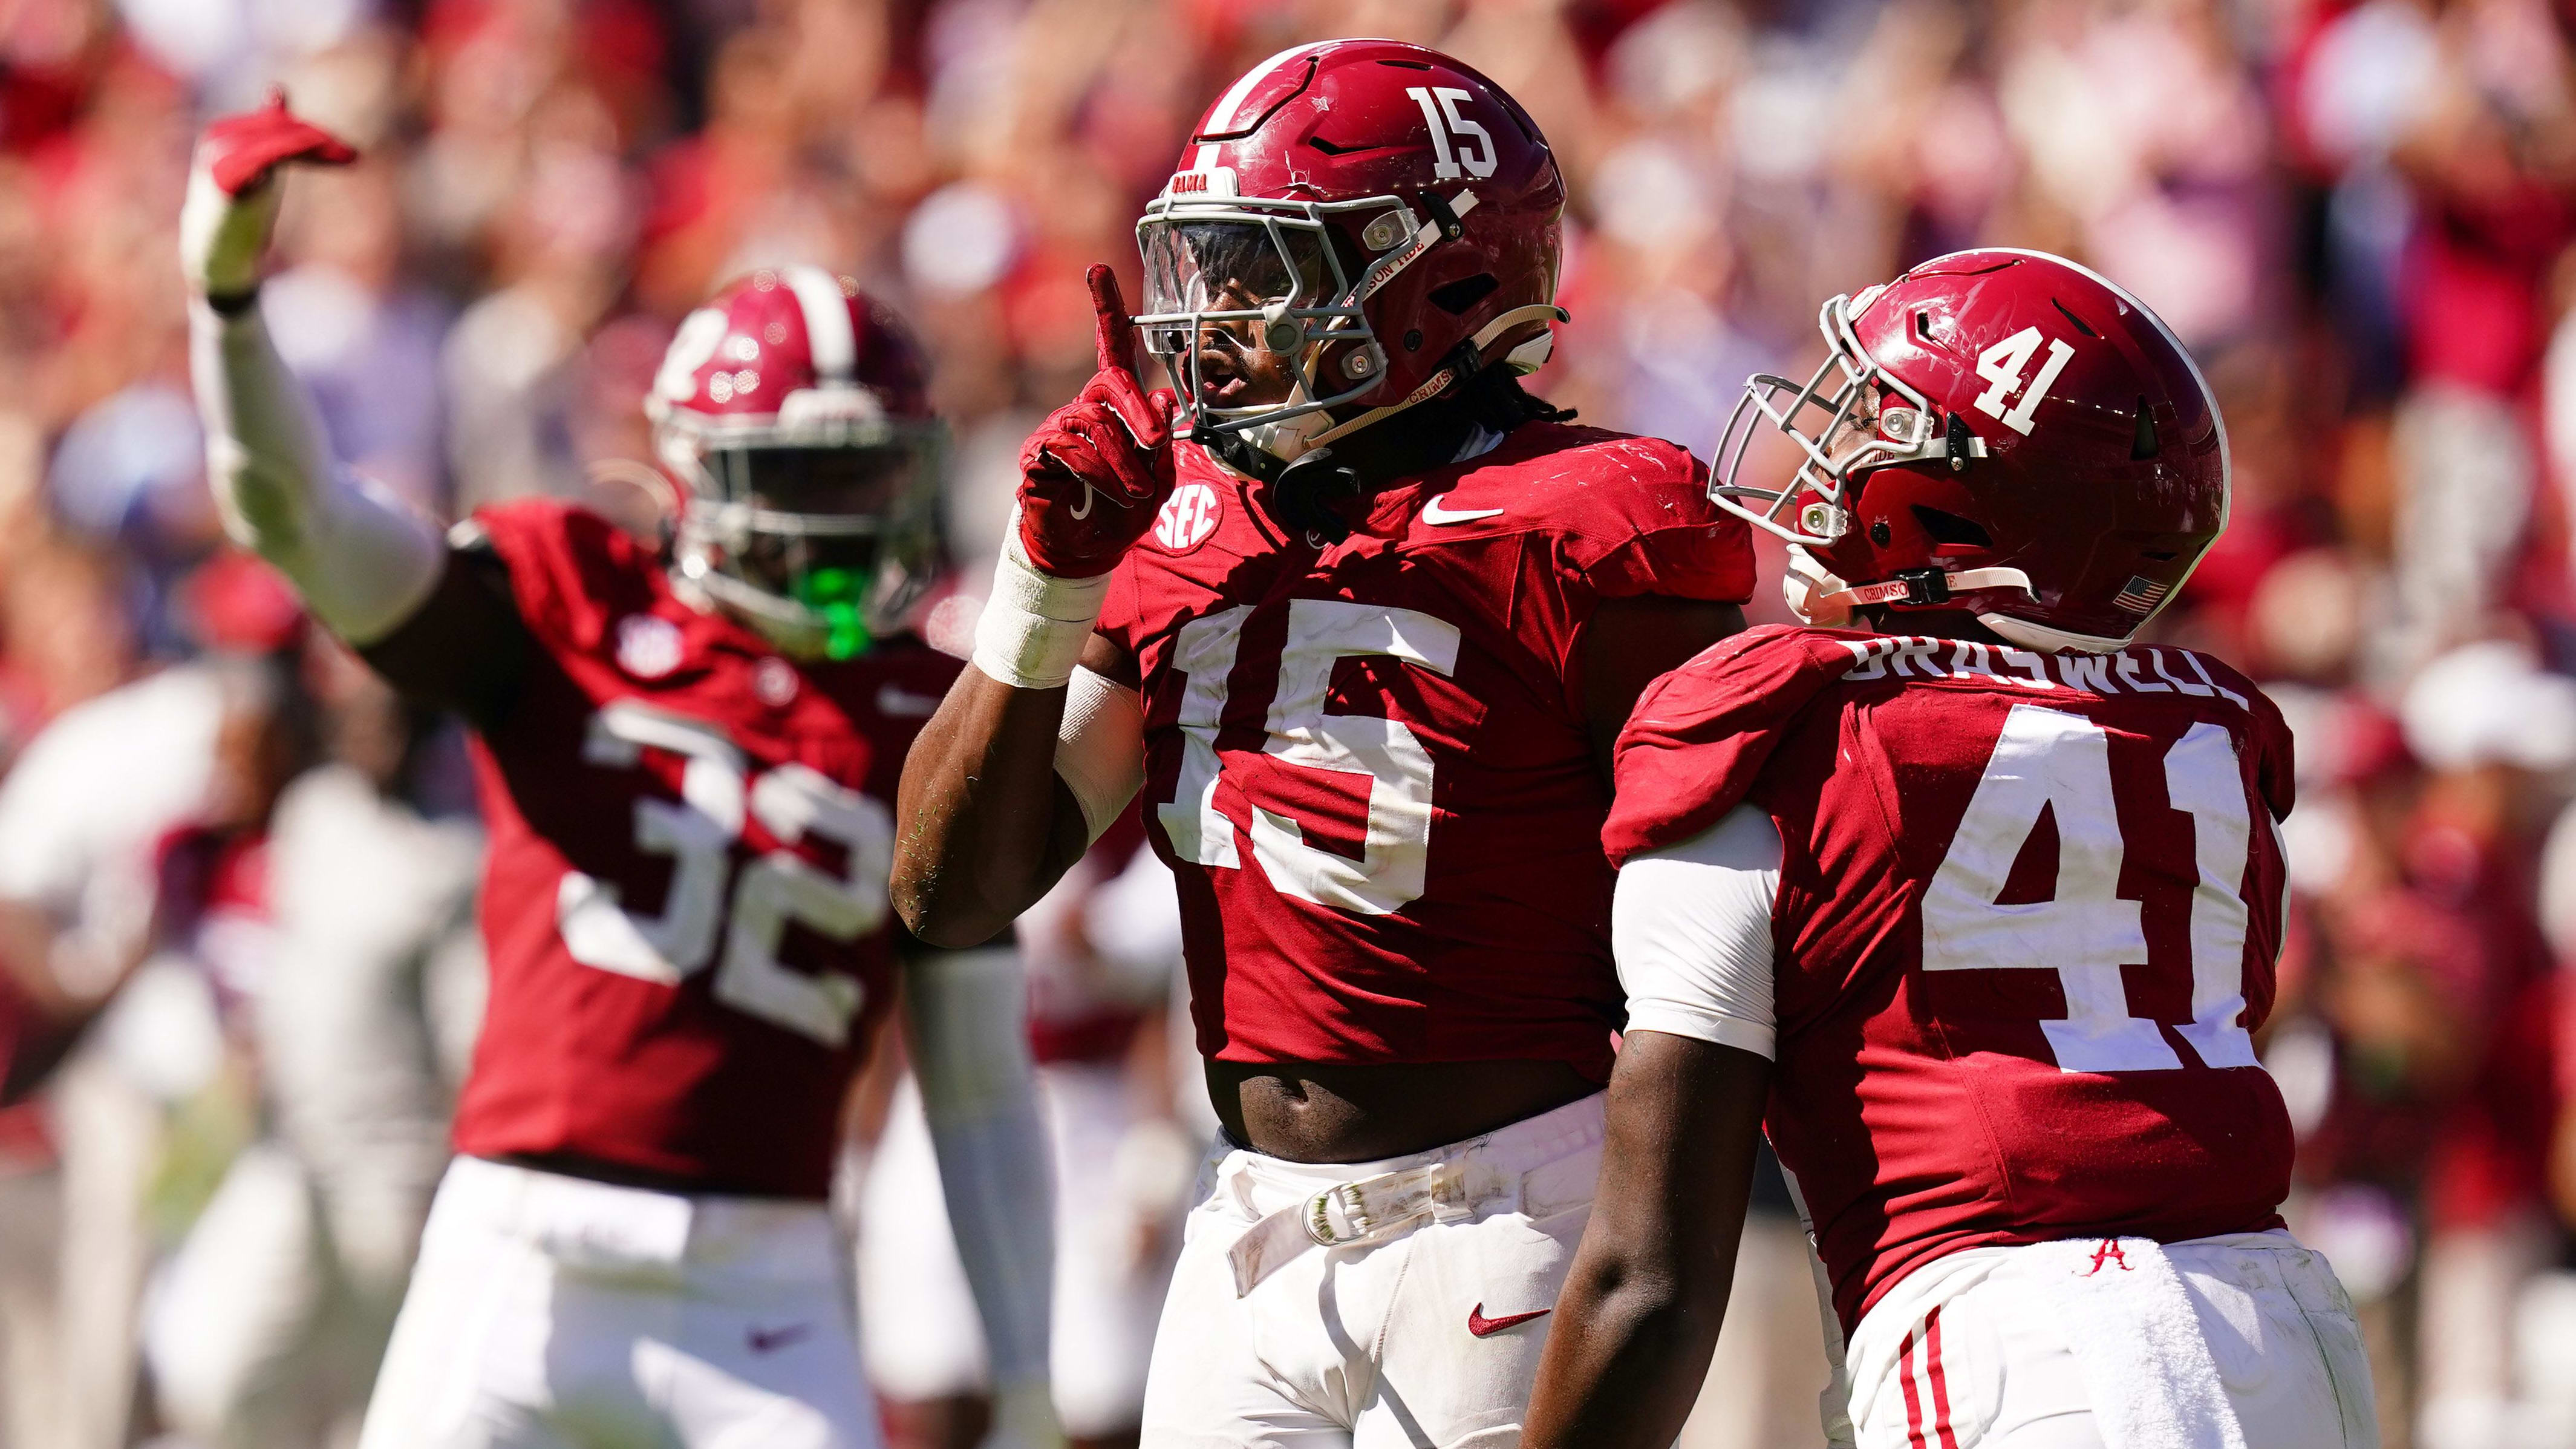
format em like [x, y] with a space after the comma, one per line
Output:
[2142, 595]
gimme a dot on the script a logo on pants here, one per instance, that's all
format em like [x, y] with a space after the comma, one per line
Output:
[2109, 1252]
[1188, 517]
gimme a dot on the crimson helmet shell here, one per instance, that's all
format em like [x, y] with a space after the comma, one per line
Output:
[2007, 420]
[794, 358]
[1422, 206]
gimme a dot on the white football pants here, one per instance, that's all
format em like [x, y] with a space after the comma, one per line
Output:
[1420, 1324]
[2244, 1341]
[552, 1312]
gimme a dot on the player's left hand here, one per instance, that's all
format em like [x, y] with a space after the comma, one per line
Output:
[231, 205]
[1024, 1418]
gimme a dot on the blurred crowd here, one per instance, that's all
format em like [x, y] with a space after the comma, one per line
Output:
[2361, 217]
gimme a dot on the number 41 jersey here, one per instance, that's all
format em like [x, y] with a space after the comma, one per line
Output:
[2027, 914]
[1367, 763]
[685, 903]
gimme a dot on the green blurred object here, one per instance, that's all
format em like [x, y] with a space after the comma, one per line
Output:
[840, 597]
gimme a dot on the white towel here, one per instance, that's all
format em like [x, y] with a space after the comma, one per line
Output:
[2137, 1338]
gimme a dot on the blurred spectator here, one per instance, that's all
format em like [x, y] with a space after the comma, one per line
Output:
[2361, 215]
[268, 1320]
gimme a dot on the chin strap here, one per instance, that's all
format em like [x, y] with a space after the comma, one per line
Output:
[1925, 586]
[1302, 494]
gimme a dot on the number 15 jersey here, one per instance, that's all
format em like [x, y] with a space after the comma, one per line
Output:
[1368, 764]
[2026, 918]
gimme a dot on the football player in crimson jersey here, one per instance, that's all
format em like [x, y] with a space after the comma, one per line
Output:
[1973, 904]
[1363, 636]
[681, 759]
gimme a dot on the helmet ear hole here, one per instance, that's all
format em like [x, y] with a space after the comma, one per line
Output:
[2145, 445]
[1951, 530]
[1456, 297]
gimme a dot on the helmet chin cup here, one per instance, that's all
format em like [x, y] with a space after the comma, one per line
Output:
[1288, 439]
[1810, 590]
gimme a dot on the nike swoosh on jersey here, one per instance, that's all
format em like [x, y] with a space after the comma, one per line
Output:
[1483, 1327]
[903, 703]
[1433, 513]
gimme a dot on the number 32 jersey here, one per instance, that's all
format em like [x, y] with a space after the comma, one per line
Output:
[1368, 763]
[685, 902]
[2027, 914]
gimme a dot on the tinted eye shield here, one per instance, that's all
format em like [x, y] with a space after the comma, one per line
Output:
[1206, 257]
[813, 491]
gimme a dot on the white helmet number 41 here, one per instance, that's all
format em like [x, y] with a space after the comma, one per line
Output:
[2001, 366]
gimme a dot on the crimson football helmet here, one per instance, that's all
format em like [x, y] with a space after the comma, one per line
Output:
[1380, 215]
[793, 407]
[2002, 431]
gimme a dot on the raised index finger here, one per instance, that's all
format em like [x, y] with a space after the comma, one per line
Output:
[1117, 329]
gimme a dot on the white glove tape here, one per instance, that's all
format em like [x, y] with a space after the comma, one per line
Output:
[1033, 627]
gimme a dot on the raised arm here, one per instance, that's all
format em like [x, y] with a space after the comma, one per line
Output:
[1040, 744]
[372, 569]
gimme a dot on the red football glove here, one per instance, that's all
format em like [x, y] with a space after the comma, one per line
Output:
[224, 225]
[1111, 445]
[240, 151]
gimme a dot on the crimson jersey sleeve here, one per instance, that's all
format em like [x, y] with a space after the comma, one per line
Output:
[1639, 522]
[1700, 734]
[571, 571]
[685, 904]
[2027, 916]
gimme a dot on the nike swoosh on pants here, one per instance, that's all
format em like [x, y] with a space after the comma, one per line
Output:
[1483, 1327]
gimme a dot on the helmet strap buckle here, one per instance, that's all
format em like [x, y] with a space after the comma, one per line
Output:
[1963, 444]
[1445, 216]
[1923, 586]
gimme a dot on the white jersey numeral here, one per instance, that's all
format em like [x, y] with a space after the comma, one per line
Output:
[1322, 632]
[779, 887]
[1395, 855]
[1203, 652]
[1440, 112]
[2048, 760]
[2001, 366]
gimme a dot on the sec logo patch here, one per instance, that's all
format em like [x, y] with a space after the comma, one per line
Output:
[1188, 517]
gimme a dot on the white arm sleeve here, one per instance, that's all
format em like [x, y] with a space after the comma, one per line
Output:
[362, 559]
[968, 1015]
[1691, 927]
[1100, 747]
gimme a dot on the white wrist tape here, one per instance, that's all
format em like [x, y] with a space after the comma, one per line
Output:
[1034, 625]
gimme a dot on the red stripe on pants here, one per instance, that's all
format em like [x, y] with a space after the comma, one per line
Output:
[1940, 1380]
[1913, 1405]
